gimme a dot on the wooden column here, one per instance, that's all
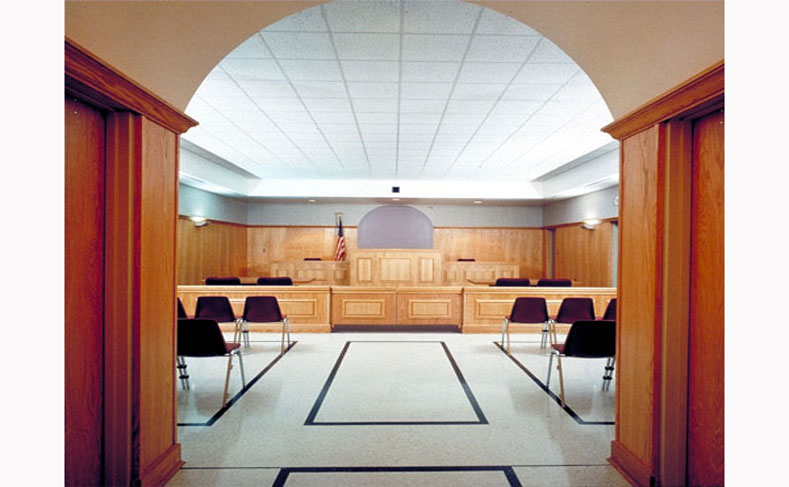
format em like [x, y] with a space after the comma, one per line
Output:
[138, 418]
[657, 228]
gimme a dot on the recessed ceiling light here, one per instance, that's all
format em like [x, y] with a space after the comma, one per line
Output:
[311, 201]
[395, 199]
[478, 202]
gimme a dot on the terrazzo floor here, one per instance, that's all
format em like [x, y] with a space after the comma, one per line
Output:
[395, 409]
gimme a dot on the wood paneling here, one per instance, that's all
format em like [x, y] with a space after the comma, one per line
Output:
[485, 307]
[585, 256]
[395, 267]
[218, 249]
[306, 306]
[158, 214]
[638, 338]
[319, 273]
[521, 246]
[471, 273]
[434, 306]
[84, 292]
[706, 350]
[363, 306]
[280, 244]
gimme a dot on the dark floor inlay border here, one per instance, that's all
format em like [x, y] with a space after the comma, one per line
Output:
[508, 471]
[310, 421]
[240, 393]
[550, 393]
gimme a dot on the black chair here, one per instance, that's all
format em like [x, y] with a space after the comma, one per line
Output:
[265, 309]
[610, 311]
[570, 311]
[467, 260]
[181, 311]
[555, 282]
[586, 339]
[512, 282]
[222, 281]
[218, 308]
[525, 310]
[275, 281]
[312, 258]
[203, 338]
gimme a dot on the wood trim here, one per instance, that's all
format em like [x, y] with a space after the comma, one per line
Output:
[705, 88]
[626, 462]
[164, 468]
[676, 305]
[121, 153]
[572, 224]
[89, 77]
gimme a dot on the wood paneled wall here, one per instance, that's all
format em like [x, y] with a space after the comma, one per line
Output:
[267, 244]
[218, 249]
[585, 256]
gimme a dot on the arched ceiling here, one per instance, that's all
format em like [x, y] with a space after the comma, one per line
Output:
[631, 52]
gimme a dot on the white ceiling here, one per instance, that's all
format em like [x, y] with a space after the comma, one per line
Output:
[352, 97]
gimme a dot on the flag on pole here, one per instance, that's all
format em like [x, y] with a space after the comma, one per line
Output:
[339, 254]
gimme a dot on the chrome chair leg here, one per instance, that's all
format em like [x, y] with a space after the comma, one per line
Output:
[241, 366]
[545, 330]
[285, 333]
[561, 377]
[245, 332]
[227, 378]
[505, 335]
[608, 376]
[183, 375]
[550, 363]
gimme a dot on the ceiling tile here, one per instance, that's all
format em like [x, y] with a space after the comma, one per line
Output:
[320, 89]
[478, 107]
[478, 91]
[419, 118]
[357, 16]
[376, 117]
[501, 48]
[211, 88]
[299, 45]
[546, 73]
[548, 52]
[267, 89]
[250, 48]
[425, 90]
[430, 71]
[493, 22]
[369, 105]
[426, 47]
[439, 17]
[339, 128]
[370, 70]
[530, 91]
[488, 72]
[363, 89]
[338, 119]
[377, 128]
[422, 106]
[318, 70]
[252, 69]
[310, 19]
[463, 119]
[418, 129]
[369, 47]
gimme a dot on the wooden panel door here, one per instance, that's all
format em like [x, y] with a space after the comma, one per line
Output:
[84, 292]
[706, 346]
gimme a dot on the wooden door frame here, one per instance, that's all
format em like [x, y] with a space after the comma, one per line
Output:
[126, 103]
[673, 113]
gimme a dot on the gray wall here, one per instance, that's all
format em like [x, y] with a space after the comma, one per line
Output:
[600, 204]
[196, 202]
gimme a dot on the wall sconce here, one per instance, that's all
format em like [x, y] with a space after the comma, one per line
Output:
[590, 224]
[200, 221]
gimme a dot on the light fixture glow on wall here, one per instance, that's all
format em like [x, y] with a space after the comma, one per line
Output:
[590, 224]
[200, 221]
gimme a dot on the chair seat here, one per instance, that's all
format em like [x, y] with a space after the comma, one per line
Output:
[559, 347]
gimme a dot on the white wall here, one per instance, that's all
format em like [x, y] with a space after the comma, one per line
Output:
[196, 202]
[600, 204]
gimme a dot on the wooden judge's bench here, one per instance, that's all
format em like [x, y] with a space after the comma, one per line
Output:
[396, 287]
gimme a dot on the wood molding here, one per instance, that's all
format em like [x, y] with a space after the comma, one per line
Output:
[91, 78]
[695, 93]
[626, 462]
[164, 468]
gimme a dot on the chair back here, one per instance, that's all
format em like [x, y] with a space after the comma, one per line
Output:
[555, 282]
[200, 338]
[467, 260]
[215, 308]
[591, 339]
[222, 281]
[312, 258]
[575, 309]
[529, 310]
[610, 311]
[275, 281]
[181, 310]
[512, 282]
[262, 309]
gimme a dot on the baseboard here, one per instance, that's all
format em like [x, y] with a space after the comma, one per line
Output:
[631, 467]
[163, 468]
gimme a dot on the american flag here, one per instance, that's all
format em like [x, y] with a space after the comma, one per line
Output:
[339, 254]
